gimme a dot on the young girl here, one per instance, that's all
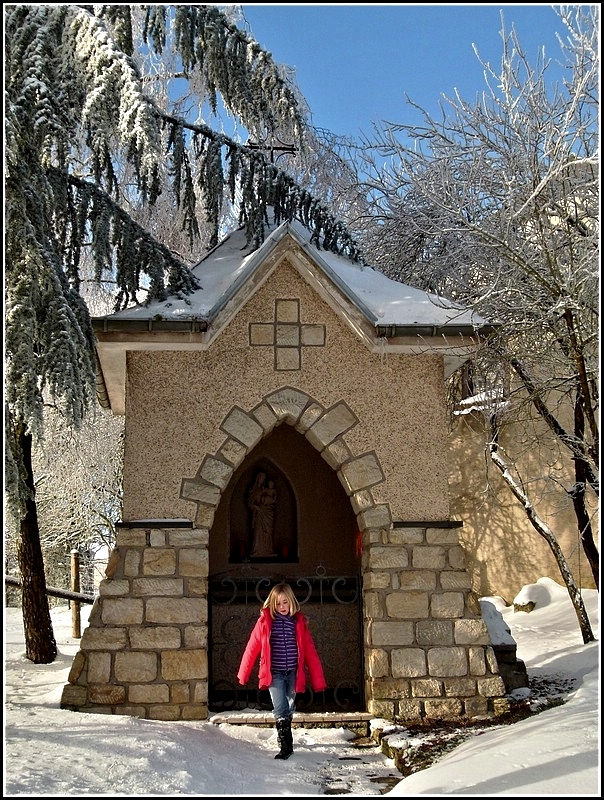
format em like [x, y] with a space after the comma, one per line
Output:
[282, 639]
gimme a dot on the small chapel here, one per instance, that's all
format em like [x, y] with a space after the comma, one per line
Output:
[286, 422]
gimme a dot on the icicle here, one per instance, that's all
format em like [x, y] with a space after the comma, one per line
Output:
[382, 344]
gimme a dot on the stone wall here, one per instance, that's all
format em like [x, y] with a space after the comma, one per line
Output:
[428, 654]
[427, 650]
[144, 652]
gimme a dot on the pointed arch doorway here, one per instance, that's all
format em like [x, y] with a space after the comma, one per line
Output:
[313, 544]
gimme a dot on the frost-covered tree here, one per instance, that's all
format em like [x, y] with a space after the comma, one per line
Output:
[78, 494]
[495, 204]
[95, 157]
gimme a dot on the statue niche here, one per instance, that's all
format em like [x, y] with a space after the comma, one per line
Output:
[266, 531]
[262, 500]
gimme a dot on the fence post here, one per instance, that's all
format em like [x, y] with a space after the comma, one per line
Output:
[75, 587]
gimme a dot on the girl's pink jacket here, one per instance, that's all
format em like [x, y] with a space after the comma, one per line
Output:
[259, 644]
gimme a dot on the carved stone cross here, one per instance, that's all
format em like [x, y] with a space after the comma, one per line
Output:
[287, 335]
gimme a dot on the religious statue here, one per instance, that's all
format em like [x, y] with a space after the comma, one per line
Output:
[262, 499]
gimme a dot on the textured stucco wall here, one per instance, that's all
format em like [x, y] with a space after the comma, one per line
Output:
[504, 551]
[176, 402]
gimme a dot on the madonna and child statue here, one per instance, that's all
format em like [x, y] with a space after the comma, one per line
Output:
[262, 500]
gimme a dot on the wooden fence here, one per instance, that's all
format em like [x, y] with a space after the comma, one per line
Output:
[75, 597]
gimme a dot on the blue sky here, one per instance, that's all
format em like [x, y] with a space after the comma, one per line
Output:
[356, 63]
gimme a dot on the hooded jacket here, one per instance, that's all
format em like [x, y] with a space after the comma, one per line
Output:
[259, 644]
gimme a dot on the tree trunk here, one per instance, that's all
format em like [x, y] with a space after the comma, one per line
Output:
[40, 644]
[578, 497]
[543, 530]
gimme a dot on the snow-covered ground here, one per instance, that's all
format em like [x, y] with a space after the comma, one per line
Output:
[53, 752]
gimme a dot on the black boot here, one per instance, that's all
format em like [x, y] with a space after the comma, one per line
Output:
[286, 740]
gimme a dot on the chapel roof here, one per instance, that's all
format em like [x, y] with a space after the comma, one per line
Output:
[384, 303]
[386, 316]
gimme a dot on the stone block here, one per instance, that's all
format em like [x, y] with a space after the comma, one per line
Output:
[361, 473]
[381, 708]
[148, 693]
[361, 501]
[376, 580]
[168, 712]
[135, 667]
[199, 491]
[373, 607]
[423, 579]
[106, 695]
[196, 636]
[447, 605]
[198, 537]
[184, 665]
[158, 561]
[476, 707]
[377, 663]
[288, 404]
[477, 661]
[172, 610]
[179, 692]
[132, 563]
[112, 563]
[427, 688]
[459, 687]
[308, 418]
[447, 662]
[114, 588]
[390, 633]
[432, 633]
[451, 580]
[425, 557]
[406, 536]
[155, 638]
[471, 631]
[99, 667]
[387, 557]
[205, 515]
[407, 605]
[408, 662]
[194, 712]
[242, 427]
[390, 688]
[313, 335]
[122, 611]
[336, 454]
[335, 422]
[443, 709]
[157, 587]
[215, 471]
[157, 538]
[409, 710]
[131, 537]
[457, 558]
[74, 696]
[200, 693]
[193, 562]
[79, 662]
[265, 417]
[491, 686]
[374, 517]
[103, 639]
[445, 536]
[233, 452]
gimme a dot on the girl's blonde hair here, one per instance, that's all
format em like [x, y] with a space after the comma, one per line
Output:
[273, 598]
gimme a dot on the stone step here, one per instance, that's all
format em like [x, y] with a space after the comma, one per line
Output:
[357, 721]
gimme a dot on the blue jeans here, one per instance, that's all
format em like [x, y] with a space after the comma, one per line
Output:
[283, 693]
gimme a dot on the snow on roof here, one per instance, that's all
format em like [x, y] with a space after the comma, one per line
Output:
[383, 301]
